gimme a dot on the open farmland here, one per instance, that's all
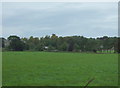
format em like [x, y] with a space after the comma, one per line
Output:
[59, 69]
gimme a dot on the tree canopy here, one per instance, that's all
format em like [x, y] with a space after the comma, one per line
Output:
[68, 43]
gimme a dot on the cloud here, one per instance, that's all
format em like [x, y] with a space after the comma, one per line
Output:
[40, 19]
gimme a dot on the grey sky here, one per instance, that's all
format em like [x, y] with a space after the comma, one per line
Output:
[63, 19]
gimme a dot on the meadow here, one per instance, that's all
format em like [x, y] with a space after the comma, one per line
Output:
[59, 69]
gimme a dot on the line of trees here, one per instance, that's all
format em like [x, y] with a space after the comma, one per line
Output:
[55, 43]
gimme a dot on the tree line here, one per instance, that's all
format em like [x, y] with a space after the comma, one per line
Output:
[55, 43]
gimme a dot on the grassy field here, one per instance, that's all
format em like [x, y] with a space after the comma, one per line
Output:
[59, 69]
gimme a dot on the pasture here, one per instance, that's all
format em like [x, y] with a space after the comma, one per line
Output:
[59, 69]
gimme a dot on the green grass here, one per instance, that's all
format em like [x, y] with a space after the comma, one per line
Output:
[59, 69]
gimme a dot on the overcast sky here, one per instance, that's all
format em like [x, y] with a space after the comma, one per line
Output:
[63, 19]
